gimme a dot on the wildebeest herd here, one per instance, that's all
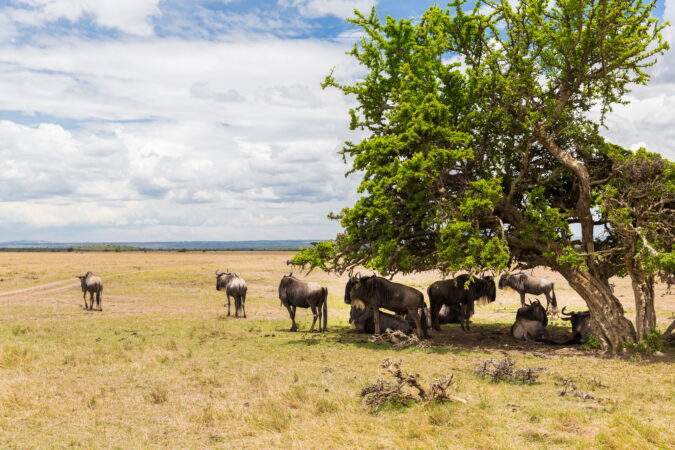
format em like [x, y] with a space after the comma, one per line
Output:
[450, 301]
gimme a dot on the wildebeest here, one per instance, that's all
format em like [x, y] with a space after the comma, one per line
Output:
[452, 314]
[363, 321]
[295, 293]
[459, 294]
[234, 287]
[527, 284]
[530, 322]
[376, 292]
[93, 285]
[581, 326]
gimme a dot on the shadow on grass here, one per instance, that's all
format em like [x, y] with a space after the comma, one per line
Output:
[483, 337]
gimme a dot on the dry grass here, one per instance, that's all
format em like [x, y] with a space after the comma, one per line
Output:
[162, 367]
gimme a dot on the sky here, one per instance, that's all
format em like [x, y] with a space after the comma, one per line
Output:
[177, 120]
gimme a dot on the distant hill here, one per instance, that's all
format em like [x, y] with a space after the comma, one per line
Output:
[26, 245]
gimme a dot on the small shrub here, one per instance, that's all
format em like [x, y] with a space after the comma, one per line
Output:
[158, 394]
[593, 343]
[651, 344]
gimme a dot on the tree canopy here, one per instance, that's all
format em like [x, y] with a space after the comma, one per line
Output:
[484, 146]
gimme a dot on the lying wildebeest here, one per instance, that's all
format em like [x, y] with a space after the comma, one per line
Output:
[452, 314]
[459, 294]
[295, 293]
[530, 322]
[581, 326]
[376, 292]
[363, 321]
[93, 285]
[527, 284]
[234, 287]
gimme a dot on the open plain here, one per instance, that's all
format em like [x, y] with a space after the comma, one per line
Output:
[162, 366]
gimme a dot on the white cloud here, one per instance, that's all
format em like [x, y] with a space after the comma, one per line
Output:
[648, 120]
[173, 139]
[130, 16]
[321, 8]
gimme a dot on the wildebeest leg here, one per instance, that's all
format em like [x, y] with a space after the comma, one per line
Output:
[435, 310]
[465, 317]
[243, 305]
[98, 300]
[237, 305]
[418, 322]
[376, 317]
[522, 298]
[84, 298]
[548, 300]
[318, 310]
[91, 300]
[228, 304]
[315, 315]
[291, 312]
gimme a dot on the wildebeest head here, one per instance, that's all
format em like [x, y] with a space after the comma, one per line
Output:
[502, 280]
[83, 279]
[482, 289]
[222, 278]
[491, 289]
[580, 321]
[533, 311]
[354, 290]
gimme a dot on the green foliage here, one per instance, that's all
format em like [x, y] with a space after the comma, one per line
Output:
[593, 343]
[476, 129]
[636, 202]
[652, 343]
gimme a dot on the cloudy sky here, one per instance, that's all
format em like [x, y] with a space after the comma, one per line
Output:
[138, 120]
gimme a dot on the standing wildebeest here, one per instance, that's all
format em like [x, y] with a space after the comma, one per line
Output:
[376, 292]
[93, 285]
[295, 293]
[235, 287]
[527, 284]
[459, 297]
[581, 326]
[530, 322]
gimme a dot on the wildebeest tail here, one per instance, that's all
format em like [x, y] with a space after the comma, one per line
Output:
[325, 308]
[553, 299]
[423, 319]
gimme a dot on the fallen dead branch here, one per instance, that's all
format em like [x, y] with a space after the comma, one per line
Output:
[571, 389]
[405, 388]
[398, 339]
[505, 370]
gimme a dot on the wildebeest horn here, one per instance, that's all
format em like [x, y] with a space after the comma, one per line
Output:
[565, 313]
[290, 274]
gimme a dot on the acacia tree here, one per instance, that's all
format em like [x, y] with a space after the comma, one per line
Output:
[638, 203]
[481, 151]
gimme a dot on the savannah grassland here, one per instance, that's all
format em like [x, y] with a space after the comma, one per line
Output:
[162, 366]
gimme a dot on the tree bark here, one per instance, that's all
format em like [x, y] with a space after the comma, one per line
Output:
[643, 290]
[608, 322]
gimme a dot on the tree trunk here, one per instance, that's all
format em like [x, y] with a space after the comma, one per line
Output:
[608, 322]
[643, 290]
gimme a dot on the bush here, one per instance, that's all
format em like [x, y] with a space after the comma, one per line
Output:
[651, 344]
[593, 343]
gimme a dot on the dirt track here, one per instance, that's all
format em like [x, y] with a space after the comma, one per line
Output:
[55, 286]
